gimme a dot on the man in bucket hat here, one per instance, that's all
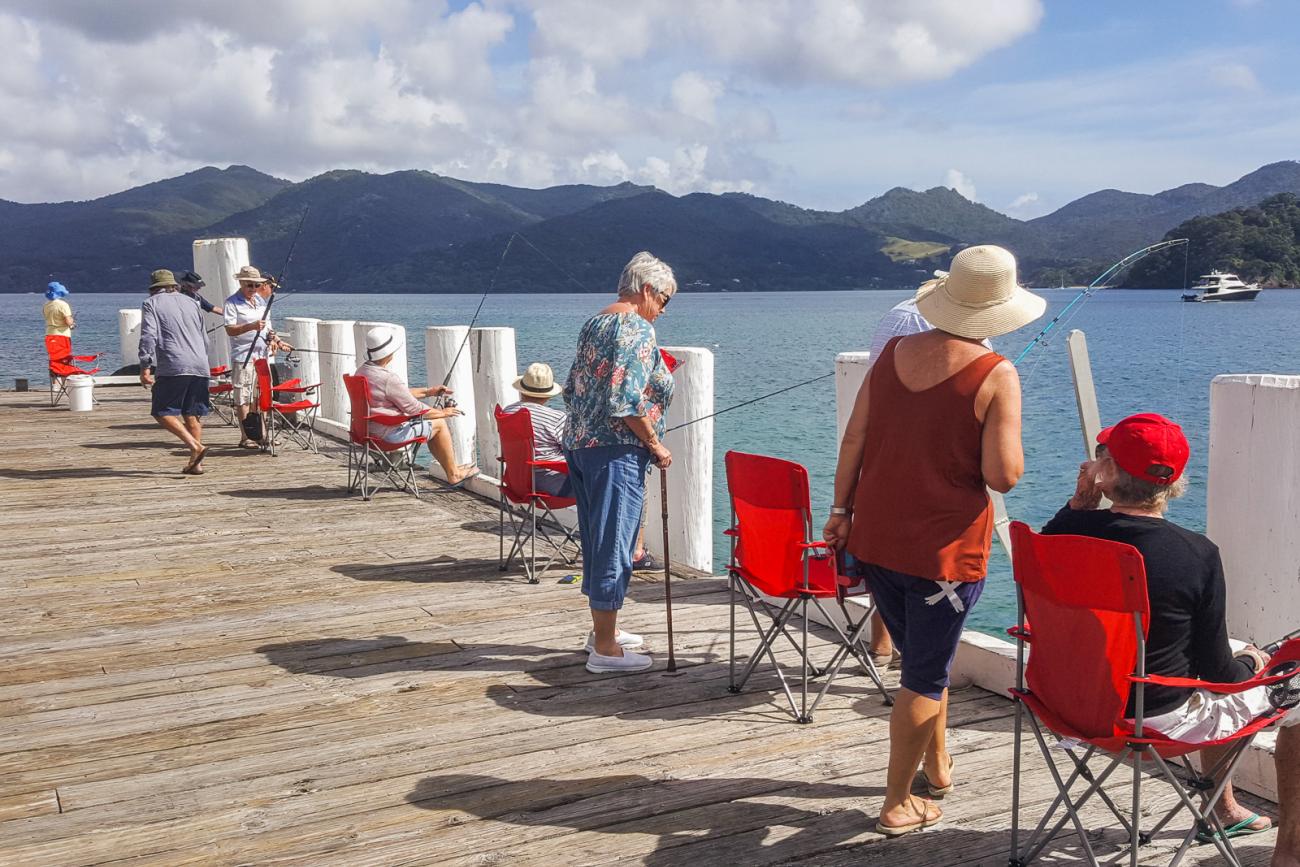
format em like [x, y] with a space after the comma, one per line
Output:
[1139, 467]
[172, 347]
[248, 329]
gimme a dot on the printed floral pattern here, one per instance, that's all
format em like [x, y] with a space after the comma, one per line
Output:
[617, 373]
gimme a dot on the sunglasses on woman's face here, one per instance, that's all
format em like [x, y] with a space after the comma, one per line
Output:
[664, 299]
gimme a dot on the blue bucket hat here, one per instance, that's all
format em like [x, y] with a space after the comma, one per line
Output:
[55, 290]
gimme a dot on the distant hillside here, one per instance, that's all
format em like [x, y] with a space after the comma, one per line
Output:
[93, 245]
[421, 232]
[1257, 244]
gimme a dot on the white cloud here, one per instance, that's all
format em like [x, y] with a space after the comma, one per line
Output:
[959, 182]
[696, 96]
[1023, 202]
[1235, 76]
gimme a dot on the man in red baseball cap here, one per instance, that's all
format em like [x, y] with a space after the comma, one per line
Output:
[1139, 467]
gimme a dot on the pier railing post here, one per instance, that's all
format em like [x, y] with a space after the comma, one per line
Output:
[399, 364]
[492, 355]
[441, 345]
[1252, 509]
[128, 333]
[335, 339]
[301, 332]
[690, 480]
[217, 260]
[850, 369]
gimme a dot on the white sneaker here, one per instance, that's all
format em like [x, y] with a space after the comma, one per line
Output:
[629, 661]
[626, 640]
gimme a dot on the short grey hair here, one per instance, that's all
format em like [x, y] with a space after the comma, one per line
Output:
[1129, 490]
[645, 268]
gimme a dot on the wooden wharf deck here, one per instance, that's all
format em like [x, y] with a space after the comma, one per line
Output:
[251, 667]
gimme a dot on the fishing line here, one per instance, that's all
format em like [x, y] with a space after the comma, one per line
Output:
[754, 400]
[553, 263]
[266, 314]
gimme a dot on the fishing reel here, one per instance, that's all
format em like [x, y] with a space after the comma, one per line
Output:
[443, 401]
[1285, 694]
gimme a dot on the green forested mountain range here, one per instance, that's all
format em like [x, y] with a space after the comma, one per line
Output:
[1258, 244]
[421, 232]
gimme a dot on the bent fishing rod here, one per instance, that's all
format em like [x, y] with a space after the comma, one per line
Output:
[284, 269]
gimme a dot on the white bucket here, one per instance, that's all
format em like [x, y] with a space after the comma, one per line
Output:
[81, 393]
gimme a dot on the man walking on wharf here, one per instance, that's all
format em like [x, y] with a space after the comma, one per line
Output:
[171, 341]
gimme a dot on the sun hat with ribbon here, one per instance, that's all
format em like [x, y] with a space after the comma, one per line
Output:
[161, 279]
[55, 290]
[249, 274]
[538, 381]
[382, 341]
[979, 297]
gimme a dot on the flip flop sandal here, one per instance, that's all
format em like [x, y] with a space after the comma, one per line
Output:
[1241, 829]
[192, 471]
[457, 485]
[249, 444]
[195, 461]
[938, 791]
[901, 830]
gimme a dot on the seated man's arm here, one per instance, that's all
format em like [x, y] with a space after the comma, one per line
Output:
[1211, 654]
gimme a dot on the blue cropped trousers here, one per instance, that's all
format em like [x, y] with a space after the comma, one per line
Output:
[609, 485]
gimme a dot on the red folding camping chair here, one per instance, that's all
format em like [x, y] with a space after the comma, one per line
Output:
[59, 349]
[395, 461]
[1084, 616]
[517, 462]
[221, 394]
[295, 419]
[774, 556]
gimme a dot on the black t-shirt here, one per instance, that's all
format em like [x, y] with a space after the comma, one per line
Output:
[1188, 635]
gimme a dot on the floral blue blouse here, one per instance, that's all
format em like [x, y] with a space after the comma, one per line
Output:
[617, 373]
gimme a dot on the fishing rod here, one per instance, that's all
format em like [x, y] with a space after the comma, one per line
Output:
[748, 402]
[443, 401]
[1092, 287]
[274, 285]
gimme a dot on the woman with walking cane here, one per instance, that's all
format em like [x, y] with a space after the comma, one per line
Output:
[617, 396]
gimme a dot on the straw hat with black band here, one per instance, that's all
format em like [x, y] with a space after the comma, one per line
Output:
[979, 297]
[538, 381]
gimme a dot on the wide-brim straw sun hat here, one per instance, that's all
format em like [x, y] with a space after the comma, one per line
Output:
[538, 381]
[249, 274]
[382, 341]
[979, 297]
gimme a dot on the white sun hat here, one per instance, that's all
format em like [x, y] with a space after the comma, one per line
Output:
[538, 381]
[979, 296]
[381, 342]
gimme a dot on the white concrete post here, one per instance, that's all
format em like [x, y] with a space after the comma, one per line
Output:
[217, 260]
[338, 356]
[441, 345]
[690, 478]
[399, 364]
[128, 333]
[300, 331]
[1253, 502]
[492, 354]
[850, 370]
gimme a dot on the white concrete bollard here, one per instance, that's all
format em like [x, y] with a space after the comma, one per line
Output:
[301, 332]
[851, 369]
[442, 346]
[1253, 502]
[492, 355]
[217, 260]
[690, 478]
[128, 333]
[399, 364]
[335, 339]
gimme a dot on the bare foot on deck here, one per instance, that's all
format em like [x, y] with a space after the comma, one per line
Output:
[463, 473]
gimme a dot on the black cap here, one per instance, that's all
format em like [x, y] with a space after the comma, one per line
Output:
[191, 278]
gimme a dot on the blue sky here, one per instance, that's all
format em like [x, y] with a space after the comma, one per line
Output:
[1022, 105]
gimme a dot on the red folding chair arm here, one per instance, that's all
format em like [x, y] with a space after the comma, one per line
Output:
[392, 420]
[296, 389]
[288, 383]
[731, 531]
[1287, 653]
[85, 357]
[814, 544]
[1021, 633]
[218, 371]
[557, 466]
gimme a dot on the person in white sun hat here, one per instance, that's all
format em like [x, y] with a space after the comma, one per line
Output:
[388, 394]
[936, 421]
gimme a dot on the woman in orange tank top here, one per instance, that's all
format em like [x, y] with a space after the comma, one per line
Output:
[937, 420]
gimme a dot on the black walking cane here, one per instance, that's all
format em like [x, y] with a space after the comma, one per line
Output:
[668, 578]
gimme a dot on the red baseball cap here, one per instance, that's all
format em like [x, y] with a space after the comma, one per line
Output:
[1147, 446]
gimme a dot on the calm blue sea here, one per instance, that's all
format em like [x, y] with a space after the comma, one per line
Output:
[1149, 352]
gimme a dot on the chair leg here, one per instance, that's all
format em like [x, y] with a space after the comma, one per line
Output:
[803, 661]
[731, 633]
[1015, 860]
[533, 577]
[1135, 832]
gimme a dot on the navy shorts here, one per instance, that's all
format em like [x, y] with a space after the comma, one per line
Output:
[926, 633]
[180, 395]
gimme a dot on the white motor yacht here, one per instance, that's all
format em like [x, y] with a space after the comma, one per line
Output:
[1220, 286]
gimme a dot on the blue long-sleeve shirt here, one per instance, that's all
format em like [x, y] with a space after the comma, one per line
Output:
[171, 336]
